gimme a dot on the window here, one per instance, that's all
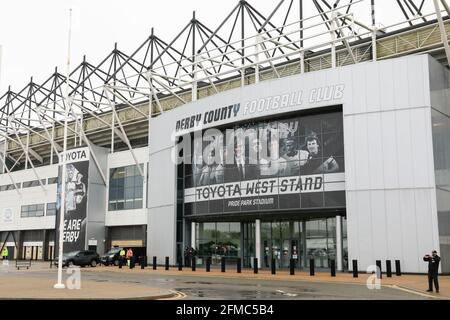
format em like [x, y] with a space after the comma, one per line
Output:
[51, 209]
[52, 180]
[34, 183]
[34, 210]
[9, 187]
[126, 188]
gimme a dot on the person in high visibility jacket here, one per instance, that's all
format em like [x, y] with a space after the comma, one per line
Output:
[129, 256]
[122, 255]
[5, 253]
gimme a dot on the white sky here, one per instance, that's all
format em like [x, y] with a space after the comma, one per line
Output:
[33, 33]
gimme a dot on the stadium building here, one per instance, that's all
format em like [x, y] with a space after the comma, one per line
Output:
[355, 117]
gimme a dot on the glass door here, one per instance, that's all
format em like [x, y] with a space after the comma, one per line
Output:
[276, 252]
[286, 254]
[295, 253]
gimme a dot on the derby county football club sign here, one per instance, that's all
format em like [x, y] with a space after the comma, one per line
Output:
[76, 184]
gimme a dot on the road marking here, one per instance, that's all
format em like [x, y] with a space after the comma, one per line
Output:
[177, 295]
[417, 292]
[287, 293]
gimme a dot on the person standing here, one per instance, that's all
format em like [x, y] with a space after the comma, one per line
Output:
[122, 256]
[5, 253]
[433, 270]
[129, 256]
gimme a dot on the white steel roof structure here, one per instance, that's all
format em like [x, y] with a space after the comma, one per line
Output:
[111, 102]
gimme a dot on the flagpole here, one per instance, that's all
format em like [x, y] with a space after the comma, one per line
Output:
[62, 160]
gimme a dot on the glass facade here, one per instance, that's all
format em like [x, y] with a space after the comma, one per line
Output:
[217, 240]
[51, 209]
[34, 210]
[34, 183]
[281, 241]
[126, 188]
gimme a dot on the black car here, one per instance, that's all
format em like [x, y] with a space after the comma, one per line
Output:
[80, 258]
[111, 257]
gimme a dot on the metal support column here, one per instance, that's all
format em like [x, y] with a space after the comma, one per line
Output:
[195, 76]
[444, 35]
[193, 225]
[51, 149]
[339, 244]
[374, 32]
[258, 241]
[5, 149]
[257, 51]
[447, 8]
[333, 40]
[26, 152]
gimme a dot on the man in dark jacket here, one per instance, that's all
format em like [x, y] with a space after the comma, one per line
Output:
[433, 270]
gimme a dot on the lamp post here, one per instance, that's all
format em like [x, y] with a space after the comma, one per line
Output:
[62, 160]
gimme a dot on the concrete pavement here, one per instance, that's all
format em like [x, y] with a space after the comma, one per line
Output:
[27, 284]
[417, 284]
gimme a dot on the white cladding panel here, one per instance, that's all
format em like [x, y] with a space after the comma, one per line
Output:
[11, 200]
[128, 217]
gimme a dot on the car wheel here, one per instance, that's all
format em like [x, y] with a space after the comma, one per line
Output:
[93, 263]
[116, 262]
[70, 264]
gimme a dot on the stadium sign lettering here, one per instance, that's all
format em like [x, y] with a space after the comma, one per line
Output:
[75, 155]
[209, 117]
[258, 188]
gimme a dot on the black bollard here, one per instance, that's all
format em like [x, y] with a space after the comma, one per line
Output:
[154, 263]
[255, 265]
[180, 265]
[208, 264]
[333, 268]
[355, 268]
[167, 263]
[274, 267]
[239, 265]
[292, 267]
[388, 269]
[120, 262]
[194, 263]
[398, 271]
[142, 263]
[311, 267]
[222, 264]
[379, 270]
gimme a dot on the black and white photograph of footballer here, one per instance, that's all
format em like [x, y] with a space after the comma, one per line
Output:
[267, 150]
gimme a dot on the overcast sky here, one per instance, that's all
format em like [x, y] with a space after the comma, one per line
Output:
[33, 33]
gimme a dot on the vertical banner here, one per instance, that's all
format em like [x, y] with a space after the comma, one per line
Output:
[76, 184]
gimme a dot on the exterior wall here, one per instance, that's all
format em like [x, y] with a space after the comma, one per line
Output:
[161, 236]
[391, 197]
[127, 217]
[98, 215]
[95, 229]
[440, 101]
[35, 195]
[391, 206]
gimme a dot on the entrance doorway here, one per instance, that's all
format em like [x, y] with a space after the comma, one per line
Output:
[301, 241]
[281, 241]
